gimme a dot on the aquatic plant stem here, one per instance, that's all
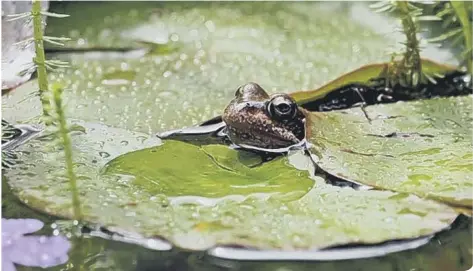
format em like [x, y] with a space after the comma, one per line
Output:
[411, 63]
[66, 141]
[461, 11]
[40, 59]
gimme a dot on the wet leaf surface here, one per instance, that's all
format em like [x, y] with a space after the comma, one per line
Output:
[217, 47]
[213, 199]
[365, 76]
[419, 147]
[201, 55]
[180, 169]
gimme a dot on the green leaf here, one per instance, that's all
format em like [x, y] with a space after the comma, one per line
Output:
[188, 79]
[361, 75]
[14, 17]
[218, 173]
[419, 147]
[213, 194]
[53, 41]
[447, 35]
[52, 14]
[385, 8]
[380, 4]
[429, 18]
[57, 38]
[364, 75]
[237, 42]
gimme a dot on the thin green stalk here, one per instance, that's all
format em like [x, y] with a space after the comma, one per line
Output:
[411, 62]
[461, 10]
[66, 141]
[40, 59]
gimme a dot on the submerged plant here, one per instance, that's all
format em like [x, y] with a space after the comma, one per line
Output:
[63, 132]
[40, 59]
[57, 117]
[456, 20]
[40, 62]
[405, 68]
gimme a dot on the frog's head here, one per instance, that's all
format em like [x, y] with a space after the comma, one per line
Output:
[256, 120]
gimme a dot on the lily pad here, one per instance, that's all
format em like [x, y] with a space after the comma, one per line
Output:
[281, 46]
[219, 173]
[364, 76]
[143, 193]
[421, 147]
[220, 46]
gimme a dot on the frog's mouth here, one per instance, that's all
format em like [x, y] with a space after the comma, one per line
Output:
[301, 145]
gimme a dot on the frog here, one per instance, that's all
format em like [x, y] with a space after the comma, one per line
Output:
[261, 125]
[253, 120]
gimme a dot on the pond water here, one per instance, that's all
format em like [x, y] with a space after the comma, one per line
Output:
[149, 67]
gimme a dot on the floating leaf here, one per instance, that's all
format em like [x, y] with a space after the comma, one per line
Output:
[218, 196]
[221, 45]
[419, 147]
[220, 172]
[365, 75]
[361, 75]
[198, 68]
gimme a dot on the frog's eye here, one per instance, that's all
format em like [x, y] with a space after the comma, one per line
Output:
[282, 107]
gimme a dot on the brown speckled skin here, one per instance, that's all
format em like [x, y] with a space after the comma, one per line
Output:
[248, 121]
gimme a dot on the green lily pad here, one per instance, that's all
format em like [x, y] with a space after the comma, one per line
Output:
[219, 46]
[232, 201]
[209, 50]
[420, 147]
[364, 75]
[221, 173]
[216, 197]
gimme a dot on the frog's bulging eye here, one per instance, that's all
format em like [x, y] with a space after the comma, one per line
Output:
[282, 107]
